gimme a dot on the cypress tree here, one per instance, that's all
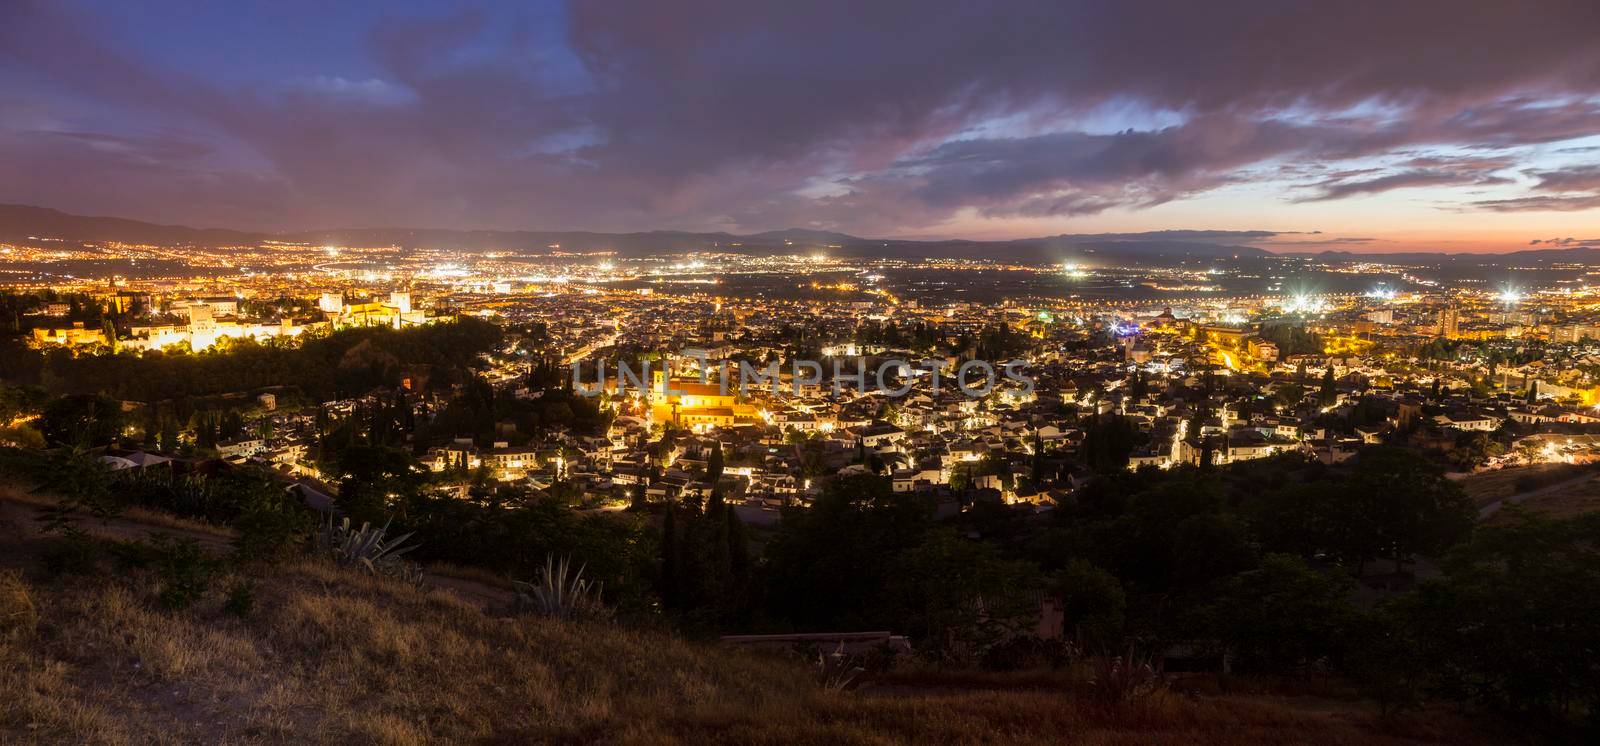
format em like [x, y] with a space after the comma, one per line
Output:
[671, 558]
[169, 435]
[721, 558]
[738, 556]
[714, 463]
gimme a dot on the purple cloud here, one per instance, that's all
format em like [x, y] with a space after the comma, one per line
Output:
[868, 117]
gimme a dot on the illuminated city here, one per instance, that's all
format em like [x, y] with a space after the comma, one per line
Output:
[609, 372]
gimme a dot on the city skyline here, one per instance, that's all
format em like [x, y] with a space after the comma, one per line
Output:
[1362, 127]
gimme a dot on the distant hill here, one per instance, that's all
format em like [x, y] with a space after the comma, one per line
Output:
[19, 222]
[1575, 254]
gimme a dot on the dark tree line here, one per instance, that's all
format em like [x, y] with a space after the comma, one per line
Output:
[706, 567]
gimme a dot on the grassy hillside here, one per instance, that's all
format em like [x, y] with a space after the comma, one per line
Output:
[324, 655]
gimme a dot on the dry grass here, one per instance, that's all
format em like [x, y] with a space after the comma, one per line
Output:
[1566, 502]
[1489, 486]
[118, 527]
[333, 657]
[18, 617]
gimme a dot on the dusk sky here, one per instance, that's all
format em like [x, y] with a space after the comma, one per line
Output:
[1463, 125]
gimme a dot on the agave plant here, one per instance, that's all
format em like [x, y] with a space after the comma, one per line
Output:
[1124, 678]
[837, 671]
[368, 548]
[560, 592]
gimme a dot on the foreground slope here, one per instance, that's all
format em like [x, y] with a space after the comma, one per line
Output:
[327, 656]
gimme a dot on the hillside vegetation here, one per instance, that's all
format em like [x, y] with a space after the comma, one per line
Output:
[315, 653]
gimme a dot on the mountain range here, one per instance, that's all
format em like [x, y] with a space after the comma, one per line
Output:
[24, 223]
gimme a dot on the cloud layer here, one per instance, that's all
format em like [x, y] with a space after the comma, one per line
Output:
[883, 117]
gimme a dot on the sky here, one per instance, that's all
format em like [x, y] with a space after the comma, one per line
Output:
[1444, 125]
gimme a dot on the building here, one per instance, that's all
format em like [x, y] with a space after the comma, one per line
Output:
[203, 330]
[1573, 333]
[241, 448]
[331, 302]
[1450, 322]
[1223, 336]
[1261, 349]
[401, 301]
[70, 336]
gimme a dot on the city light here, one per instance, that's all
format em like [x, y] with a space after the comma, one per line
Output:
[1304, 304]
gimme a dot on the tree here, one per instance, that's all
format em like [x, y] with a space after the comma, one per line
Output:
[374, 479]
[828, 563]
[713, 537]
[1289, 394]
[1401, 505]
[21, 436]
[1514, 622]
[1472, 449]
[1385, 658]
[1392, 505]
[78, 477]
[946, 589]
[1279, 617]
[1108, 441]
[1309, 518]
[671, 585]
[714, 462]
[1092, 604]
[81, 419]
[705, 565]
[740, 565]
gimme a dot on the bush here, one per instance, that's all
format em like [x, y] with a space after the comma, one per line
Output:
[268, 532]
[1024, 652]
[241, 599]
[72, 553]
[183, 570]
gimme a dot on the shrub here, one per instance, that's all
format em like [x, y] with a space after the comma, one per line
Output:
[1024, 652]
[269, 532]
[241, 599]
[72, 553]
[183, 570]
